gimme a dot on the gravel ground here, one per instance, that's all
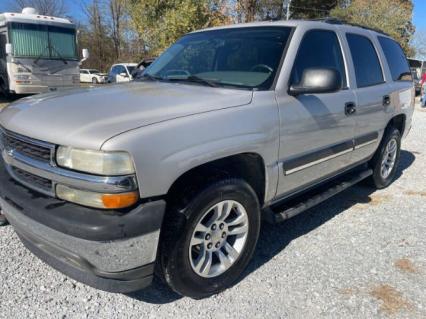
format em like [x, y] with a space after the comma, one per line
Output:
[360, 255]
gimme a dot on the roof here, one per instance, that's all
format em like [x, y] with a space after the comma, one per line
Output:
[33, 18]
[294, 23]
[126, 64]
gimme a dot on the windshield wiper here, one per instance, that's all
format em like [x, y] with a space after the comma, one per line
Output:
[52, 48]
[150, 77]
[41, 54]
[59, 54]
[195, 79]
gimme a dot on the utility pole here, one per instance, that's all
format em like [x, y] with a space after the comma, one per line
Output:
[288, 10]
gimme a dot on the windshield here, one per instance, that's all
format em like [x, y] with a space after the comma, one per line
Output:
[43, 42]
[237, 57]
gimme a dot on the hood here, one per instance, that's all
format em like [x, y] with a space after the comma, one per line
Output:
[86, 118]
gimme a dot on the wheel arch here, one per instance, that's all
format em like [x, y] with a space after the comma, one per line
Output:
[398, 122]
[247, 166]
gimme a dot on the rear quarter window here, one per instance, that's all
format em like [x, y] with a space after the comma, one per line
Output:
[396, 60]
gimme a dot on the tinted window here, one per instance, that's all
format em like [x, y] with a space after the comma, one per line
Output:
[396, 59]
[366, 62]
[319, 49]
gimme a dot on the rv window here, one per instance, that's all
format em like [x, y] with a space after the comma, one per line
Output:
[42, 41]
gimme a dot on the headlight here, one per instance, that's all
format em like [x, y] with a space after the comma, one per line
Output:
[95, 162]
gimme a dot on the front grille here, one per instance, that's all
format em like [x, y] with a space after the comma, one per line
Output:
[33, 180]
[30, 150]
[26, 147]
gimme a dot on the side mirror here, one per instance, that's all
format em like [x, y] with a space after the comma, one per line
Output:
[86, 54]
[124, 75]
[9, 49]
[316, 81]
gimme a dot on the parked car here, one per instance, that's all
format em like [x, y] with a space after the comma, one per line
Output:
[141, 67]
[121, 72]
[92, 76]
[176, 171]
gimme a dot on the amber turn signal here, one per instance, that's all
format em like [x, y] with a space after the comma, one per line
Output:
[115, 201]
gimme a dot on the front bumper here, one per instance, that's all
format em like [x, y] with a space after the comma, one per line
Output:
[113, 251]
[36, 89]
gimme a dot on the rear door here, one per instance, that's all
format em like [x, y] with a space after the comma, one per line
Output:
[372, 91]
[316, 135]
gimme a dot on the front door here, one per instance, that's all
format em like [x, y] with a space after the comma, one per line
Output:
[316, 135]
[122, 75]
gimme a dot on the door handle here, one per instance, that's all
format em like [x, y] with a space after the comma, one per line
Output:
[386, 100]
[350, 108]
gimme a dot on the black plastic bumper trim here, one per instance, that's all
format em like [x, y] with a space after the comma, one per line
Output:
[121, 282]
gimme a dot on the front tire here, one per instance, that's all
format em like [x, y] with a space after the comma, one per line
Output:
[94, 81]
[386, 160]
[207, 244]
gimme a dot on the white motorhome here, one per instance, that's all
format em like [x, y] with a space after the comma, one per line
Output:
[37, 53]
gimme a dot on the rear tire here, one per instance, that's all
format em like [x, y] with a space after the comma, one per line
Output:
[386, 160]
[195, 255]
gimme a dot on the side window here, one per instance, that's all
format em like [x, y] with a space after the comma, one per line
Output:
[396, 59]
[114, 70]
[121, 69]
[368, 71]
[319, 49]
[2, 45]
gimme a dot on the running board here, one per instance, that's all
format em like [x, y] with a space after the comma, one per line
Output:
[281, 212]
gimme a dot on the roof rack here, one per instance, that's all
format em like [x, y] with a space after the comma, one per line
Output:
[332, 20]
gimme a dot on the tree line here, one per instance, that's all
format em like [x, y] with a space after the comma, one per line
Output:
[129, 30]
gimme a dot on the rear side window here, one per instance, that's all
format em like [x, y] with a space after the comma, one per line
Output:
[396, 59]
[319, 49]
[368, 71]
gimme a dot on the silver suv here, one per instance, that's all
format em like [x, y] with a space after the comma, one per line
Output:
[175, 172]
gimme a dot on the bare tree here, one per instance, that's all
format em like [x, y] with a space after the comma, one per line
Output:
[117, 15]
[54, 8]
[96, 35]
